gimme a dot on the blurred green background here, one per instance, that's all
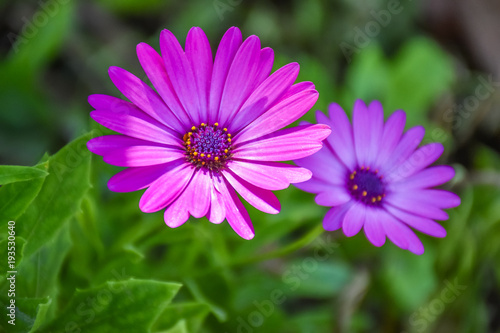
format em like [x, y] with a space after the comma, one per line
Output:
[89, 261]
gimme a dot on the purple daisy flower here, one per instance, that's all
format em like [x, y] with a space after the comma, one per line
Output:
[212, 128]
[374, 177]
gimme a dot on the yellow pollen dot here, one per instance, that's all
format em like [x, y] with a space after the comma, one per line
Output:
[367, 168]
[193, 128]
[351, 177]
[355, 187]
[202, 163]
[225, 129]
[379, 198]
[225, 150]
[190, 133]
[195, 153]
[188, 143]
[354, 172]
[216, 124]
[363, 167]
[208, 155]
[228, 139]
[374, 199]
[202, 124]
[364, 193]
[376, 171]
[216, 158]
[202, 155]
[229, 134]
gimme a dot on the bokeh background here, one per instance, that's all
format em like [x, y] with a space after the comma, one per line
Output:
[89, 261]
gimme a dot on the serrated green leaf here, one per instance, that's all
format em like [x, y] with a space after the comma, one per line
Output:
[16, 197]
[60, 197]
[121, 306]
[15, 173]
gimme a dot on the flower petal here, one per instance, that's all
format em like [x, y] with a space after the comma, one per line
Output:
[284, 145]
[373, 227]
[239, 79]
[376, 119]
[265, 95]
[334, 217]
[354, 219]
[333, 196]
[102, 145]
[362, 132]
[419, 223]
[144, 97]
[416, 207]
[391, 135]
[154, 66]
[263, 200]
[325, 166]
[419, 160]
[167, 188]
[200, 193]
[138, 156]
[430, 177]
[285, 112]
[181, 74]
[410, 141]
[236, 214]
[134, 179]
[217, 212]
[401, 235]
[269, 175]
[199, 55]
[224, 57]
[138, 125]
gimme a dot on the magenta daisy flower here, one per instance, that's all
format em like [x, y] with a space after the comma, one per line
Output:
[210, 130]
[374, 177]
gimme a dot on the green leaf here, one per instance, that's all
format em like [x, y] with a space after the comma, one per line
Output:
[15, 173]
[60, 197]
[19, 247]
[121, 306]
[16, 197]
[180, 327]
[193, 314]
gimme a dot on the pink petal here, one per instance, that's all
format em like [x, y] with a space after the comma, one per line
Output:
[181, 75]
[217, 212]
[236, 214]
[280, 115]
[176, 214]
[284, 145]
[362, 132]
[341, 140]
[325, 166]
[410, 141]
[416, 207]
[432, 197]
[265, 95]
[144, 97]
[354, 219]
[433, 176]
[373, 226]
[228, 47]
[401, 235]
[102, 145]
[391, 135]
[419, 223]
[376, 119]
[419, 160]
[333, 196]
[334, 217]
[263, 200]
[239, 79]
[138, 125]
[154, 66]
[265, 66]
[269, 175]
[138, 156]
[134, 179]
[199, 55]
[200, 193]
[167, 188]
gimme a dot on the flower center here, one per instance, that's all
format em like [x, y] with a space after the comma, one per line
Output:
[208, 146]
[366, 186]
